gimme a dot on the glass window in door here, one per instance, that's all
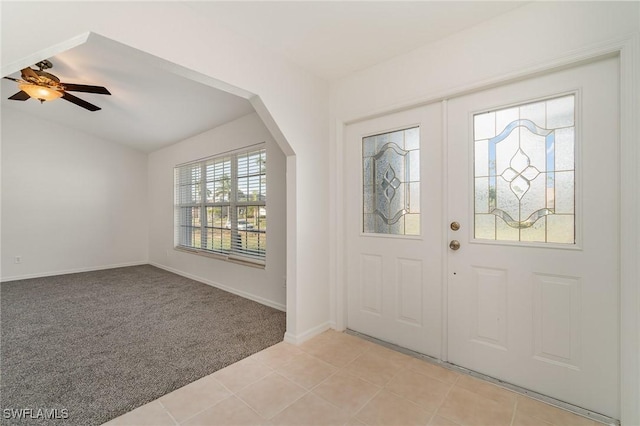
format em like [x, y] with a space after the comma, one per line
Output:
[524, 172]
[391, 182]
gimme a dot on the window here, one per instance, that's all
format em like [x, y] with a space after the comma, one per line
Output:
[525, 172]
[221, 205]
[391, 183]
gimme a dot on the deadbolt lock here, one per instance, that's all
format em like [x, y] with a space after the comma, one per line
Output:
[455, 226]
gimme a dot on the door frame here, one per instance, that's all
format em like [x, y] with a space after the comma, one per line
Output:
[628, 51]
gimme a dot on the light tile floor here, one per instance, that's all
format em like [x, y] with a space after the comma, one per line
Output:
[339, 379]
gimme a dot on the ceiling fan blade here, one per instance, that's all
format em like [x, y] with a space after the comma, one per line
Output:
[85, 88]
[28, 72]
[13, 79]
[81, 103]
[20, 96]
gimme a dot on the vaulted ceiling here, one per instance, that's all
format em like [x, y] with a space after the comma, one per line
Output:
[153, 106]
[150, 106]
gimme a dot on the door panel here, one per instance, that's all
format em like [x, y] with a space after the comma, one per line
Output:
[394, 186]
[533, 299]
[531, 175]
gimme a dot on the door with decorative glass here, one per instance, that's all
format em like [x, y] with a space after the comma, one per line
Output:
[533, 268]
[393, 228]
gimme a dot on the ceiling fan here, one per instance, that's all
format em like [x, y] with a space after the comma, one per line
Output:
[43, 86]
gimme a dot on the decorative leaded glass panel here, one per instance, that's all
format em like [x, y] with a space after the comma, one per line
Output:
[391, 183]
[524, 175]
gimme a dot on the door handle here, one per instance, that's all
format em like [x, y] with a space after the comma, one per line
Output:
[454, 245]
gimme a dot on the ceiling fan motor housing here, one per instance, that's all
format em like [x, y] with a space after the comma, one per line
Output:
[46, 79]
[44, 64]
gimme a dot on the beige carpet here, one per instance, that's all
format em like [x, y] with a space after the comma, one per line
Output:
[99, 344]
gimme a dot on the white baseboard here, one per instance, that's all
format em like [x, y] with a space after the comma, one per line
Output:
[307, 335]
[72, 271]
[240, 293]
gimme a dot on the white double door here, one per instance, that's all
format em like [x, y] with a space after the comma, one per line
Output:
[531, 296]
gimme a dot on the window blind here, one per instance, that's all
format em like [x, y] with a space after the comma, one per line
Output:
[221, 205]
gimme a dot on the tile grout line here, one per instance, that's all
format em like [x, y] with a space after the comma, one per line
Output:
[367, 403]
[211, 377]
[248, 406]
[408, 368]
[197, 413]
[359, 408]
[247, 385]
[292, 402]
[515, 410]
[166, 411]
[235, 394]
[239, 398]
[386, 389]
[351, 415]
[306, 391]
[453, 385]
[324, 380]
[342, 369]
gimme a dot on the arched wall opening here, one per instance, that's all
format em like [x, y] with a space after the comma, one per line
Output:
[274, 285]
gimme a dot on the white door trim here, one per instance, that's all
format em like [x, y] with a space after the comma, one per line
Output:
[629, 51]
[630, 237]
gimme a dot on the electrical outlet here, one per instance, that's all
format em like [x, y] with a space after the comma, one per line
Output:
[17, 260]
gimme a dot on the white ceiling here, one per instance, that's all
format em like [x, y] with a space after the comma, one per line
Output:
[334, 38]
[150, 107]
[153, 106]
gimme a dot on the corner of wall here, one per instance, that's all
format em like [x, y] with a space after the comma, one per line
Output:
[307, 335]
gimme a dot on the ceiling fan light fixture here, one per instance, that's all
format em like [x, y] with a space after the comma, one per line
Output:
[41, 85]
[40, 92]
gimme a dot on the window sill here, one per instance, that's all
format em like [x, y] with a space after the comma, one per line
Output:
[237, 260]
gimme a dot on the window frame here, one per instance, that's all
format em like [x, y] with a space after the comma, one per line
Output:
[201, 200]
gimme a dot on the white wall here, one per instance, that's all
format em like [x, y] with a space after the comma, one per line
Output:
[264, 285]
[298, 101]
[530, 35]
[70, 201]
